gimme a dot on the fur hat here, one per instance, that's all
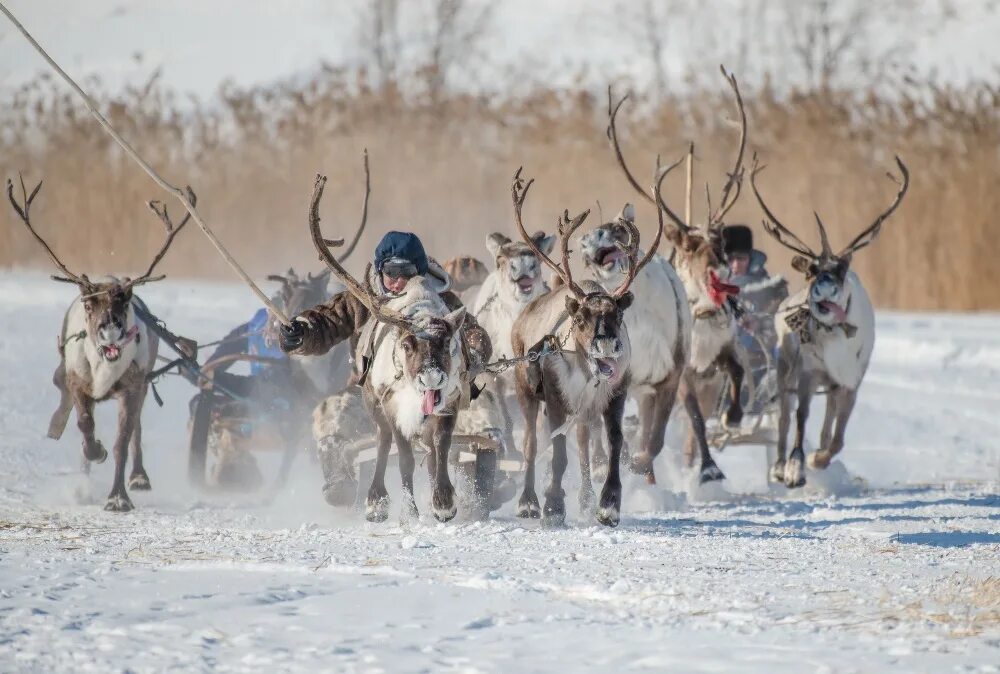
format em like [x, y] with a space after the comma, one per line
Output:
[403, 245]
[737, 239]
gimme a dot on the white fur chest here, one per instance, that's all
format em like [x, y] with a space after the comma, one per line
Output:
[709, 336]
[85, 361]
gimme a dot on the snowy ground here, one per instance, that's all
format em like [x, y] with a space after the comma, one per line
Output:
[889, 561]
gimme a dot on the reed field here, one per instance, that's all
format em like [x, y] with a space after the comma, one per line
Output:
[442, 163]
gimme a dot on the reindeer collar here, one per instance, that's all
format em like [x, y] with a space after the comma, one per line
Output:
[804, 324]
[112, 352]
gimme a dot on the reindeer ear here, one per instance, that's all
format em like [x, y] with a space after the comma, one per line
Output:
[627, 213]
[801, 264]
[494, 242]
[544, 243]
[625, 301]
[572, 305]
[675, 237]
[455, 319]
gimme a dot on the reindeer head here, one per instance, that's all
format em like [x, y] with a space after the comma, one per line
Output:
[827, 272]
[297, 294]
[106, 303]
[698, 254]
[519, 270]
[598, 315]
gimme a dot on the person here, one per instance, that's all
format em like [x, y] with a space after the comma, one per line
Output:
[759, 297]
[399, 257]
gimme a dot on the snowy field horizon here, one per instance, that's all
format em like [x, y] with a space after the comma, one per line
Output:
[885, 562]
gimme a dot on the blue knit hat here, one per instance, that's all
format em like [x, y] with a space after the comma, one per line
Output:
[403, 245]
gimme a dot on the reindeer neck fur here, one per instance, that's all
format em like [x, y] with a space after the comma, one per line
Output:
[401, 399]
[658, 322]
[842, 359]
[713, 328]
[84, 360]
[580, 390]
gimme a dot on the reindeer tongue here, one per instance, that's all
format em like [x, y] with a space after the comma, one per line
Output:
[430, 399]
[835, 309]
[608, 367]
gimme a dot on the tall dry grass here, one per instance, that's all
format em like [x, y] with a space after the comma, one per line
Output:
[442, 164]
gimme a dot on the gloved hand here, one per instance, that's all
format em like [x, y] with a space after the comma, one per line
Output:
[290, 336]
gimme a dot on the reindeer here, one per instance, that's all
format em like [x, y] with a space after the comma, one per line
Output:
[105, 353]
[515, 282]
[826, 334]
[416, 381]
[699, 262]
[589, 379]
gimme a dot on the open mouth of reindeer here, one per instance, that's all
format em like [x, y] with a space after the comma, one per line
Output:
[607, 257]
[607, 368]
[430, 401]
[830, 308]
[112, 351]
[525, 284]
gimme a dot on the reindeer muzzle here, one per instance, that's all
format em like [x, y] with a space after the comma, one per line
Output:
[113, 351]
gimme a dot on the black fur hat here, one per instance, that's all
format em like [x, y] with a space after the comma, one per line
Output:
[737, 239]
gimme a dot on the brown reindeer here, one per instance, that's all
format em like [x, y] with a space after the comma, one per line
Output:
[586, 376]
[416, 381]
[699, 261]
[105, 352]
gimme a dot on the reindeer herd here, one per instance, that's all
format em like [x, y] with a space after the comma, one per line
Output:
[647, 325]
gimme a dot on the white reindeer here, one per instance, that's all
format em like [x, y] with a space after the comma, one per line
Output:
[826, 334]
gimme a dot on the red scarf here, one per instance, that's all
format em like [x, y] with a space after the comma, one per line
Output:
[718, 290]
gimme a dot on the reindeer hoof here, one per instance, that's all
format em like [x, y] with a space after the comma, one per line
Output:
[794, 469]
[733, 417]
[642, 463]
[409, 512]
[820, 460]
[340, 493]
[777, 472]
[139, 482]
[554, 514]
[377, 509]
[443, 503]
[710, 473]
[528, 507]
[609, 517]
[118, 503]
[97, 453]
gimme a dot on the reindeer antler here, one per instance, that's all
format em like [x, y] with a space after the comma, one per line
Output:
[23, 211]
[160, 209]
[566, 226]
[612, 133]
[735, 177]
[364, 293]
[872, 232]
[634, 268]
[772, 225]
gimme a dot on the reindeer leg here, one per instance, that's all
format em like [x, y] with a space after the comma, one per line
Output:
[554, 512]
[708, 471]
[138, 480]
[93, 449]
[377, 503]
[598, 457]
[730, 364]
[777, 472]
[842, 406]
[129, 408]
[527, 505]
[406, 467]
[795, 468]
[586, 497]
[610, 506]
[443, 494]
[828, 419]
[641, 462]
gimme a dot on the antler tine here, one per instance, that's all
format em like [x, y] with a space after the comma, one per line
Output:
[519, 192]
[870, 234]
[364, 215]
[566, 229]
[824, 239]
[23, 211]
[612, 132]
[160, 210]
[772, 226]
[635, 268]
[735, 178]
[364, 293]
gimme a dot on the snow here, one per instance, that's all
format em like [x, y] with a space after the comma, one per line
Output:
[886, 562]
